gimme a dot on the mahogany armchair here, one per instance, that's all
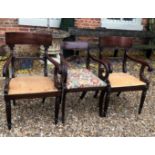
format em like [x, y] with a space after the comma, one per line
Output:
[123, 81]
[22, 87]
[81, 79]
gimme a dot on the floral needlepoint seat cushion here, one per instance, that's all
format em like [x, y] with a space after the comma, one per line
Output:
[81, 78]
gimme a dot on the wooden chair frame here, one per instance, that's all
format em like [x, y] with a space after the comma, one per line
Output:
[14, 38]
[80, 46]
[126, 44]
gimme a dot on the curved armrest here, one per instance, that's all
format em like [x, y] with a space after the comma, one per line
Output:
[6, 66]
[144, 63]
[106, 66]
[57, 71]
[60, 68]
[64, 61]
[64, 68]
[64, 75]
[109, 64]
[55, 63]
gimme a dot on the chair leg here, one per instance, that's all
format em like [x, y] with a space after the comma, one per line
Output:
[63, 107]
[118, 94]
[14, 102]
[101, 101]
[96, 93]
[115, 52]
[142, 101]
[43, 101]
[106, 104]
[57, 104]
[83, 94]
[8, 113]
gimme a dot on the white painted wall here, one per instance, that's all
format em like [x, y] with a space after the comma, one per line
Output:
[135, 24]
[44, 22]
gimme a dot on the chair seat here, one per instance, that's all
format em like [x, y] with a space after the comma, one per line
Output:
[83, 78]
[31, 85]
[124, 80]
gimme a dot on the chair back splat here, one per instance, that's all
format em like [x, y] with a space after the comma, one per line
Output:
[116, 42]
[13, 38]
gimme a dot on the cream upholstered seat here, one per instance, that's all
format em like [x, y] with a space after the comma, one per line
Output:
[30, 85]
[83, 78]
[124, 80]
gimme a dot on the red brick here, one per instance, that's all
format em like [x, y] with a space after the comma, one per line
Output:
[24, 29]
[87, 22]
[2, 28]
[2, 32]
[2, 42]
[12, 29]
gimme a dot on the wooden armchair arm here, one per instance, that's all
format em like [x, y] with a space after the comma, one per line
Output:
[109, 64]
[6, 67]
[144, 64]
[59, 69]
[64, 68]
[106, 67]
[64, 61]
[55, 63]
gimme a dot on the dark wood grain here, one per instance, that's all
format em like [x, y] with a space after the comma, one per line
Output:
[28, 38]
[115, 42]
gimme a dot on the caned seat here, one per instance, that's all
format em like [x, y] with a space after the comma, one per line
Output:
[83, 78]
[30, 85]
[124, 80]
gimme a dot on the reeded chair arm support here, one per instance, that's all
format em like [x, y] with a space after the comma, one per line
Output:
[144, 64]
[6, 67]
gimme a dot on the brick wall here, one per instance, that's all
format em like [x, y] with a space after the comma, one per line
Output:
[96, 23]
[11, 25]
[87, 22]
[91, 23]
